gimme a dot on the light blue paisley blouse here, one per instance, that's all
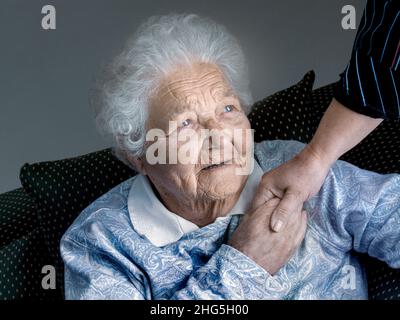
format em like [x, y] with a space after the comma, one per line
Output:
[355, 210]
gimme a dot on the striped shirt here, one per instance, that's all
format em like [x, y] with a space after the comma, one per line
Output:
[370, 84]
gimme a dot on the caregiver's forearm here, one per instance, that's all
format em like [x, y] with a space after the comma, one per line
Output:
[339, 131]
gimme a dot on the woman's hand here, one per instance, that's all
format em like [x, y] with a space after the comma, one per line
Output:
[269, 249]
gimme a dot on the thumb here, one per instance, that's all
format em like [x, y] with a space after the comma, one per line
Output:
[290, 204]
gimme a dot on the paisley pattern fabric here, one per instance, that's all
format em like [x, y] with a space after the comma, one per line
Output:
[355, 210]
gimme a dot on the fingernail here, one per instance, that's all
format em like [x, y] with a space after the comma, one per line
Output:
[277, 225]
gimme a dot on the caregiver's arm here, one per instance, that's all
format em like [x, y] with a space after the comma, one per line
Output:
[300, 178]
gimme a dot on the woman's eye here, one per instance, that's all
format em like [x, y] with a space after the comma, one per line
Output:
[228, 108]
[186, 122]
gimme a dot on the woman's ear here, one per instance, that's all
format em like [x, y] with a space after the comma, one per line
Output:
[137, 162]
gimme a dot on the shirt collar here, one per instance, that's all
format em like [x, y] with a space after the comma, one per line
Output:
[160, 226]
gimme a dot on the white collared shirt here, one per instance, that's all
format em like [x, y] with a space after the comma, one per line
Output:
[152, 219]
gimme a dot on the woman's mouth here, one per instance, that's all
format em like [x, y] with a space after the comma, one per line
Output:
[213, 166]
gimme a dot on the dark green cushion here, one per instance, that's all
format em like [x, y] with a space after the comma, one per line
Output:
[282, 115]
[63, 188]
[21, 263]
[18, 215]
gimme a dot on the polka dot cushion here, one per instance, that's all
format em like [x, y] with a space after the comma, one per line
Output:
[21, 263]
[62, 189]
[281, 116]
[380, 151]
[285, 114]
[18, 216]
[383, 282]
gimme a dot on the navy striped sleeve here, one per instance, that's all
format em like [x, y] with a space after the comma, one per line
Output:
[370, 84]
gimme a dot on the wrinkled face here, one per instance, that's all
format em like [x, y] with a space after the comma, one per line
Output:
[203, 120]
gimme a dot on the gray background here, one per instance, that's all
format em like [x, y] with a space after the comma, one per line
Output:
[45, 75]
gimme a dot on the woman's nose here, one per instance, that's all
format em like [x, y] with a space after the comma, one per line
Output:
[211, 124]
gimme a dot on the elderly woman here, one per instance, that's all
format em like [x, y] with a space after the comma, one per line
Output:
[200, 229]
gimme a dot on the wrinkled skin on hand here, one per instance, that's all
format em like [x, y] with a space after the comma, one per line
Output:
[269, 249]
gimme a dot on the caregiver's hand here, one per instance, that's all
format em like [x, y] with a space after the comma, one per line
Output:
[293, 182]
[269, 249]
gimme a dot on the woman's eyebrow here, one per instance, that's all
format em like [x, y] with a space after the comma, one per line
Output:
[229, 93]
[178, 109]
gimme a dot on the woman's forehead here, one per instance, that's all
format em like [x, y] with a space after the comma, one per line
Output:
[186, 82]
